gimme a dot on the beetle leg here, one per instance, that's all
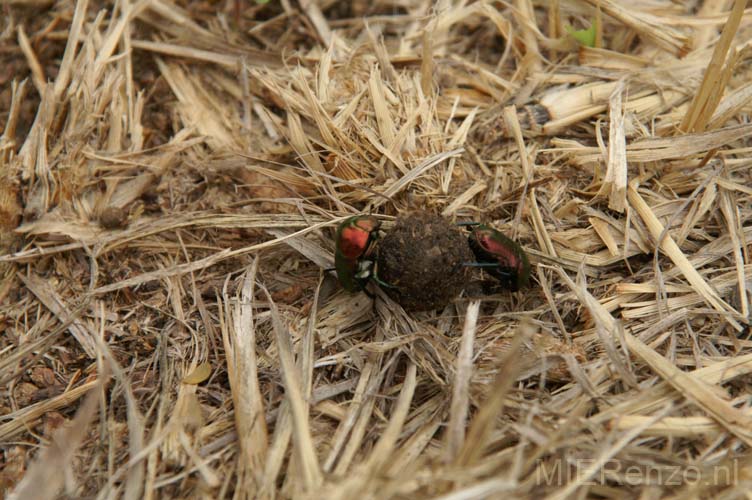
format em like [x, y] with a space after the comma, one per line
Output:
[492, 265]
[375, 277]
[381, 283]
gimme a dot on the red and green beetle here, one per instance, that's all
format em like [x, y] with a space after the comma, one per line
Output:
[354, 257]
[504, 259]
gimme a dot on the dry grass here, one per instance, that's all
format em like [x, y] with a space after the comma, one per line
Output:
[170, 177]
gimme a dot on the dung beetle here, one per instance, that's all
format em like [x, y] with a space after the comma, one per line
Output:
[354, 257]
[504, 259]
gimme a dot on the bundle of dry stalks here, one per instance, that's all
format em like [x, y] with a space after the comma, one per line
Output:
[171, 175]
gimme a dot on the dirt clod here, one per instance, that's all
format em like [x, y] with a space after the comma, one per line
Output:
[113, 218]
[422, 258]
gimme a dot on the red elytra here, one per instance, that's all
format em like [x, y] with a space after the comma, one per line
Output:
[354, 239]
[504, 254]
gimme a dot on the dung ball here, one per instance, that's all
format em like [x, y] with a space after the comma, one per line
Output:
[422, 260]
